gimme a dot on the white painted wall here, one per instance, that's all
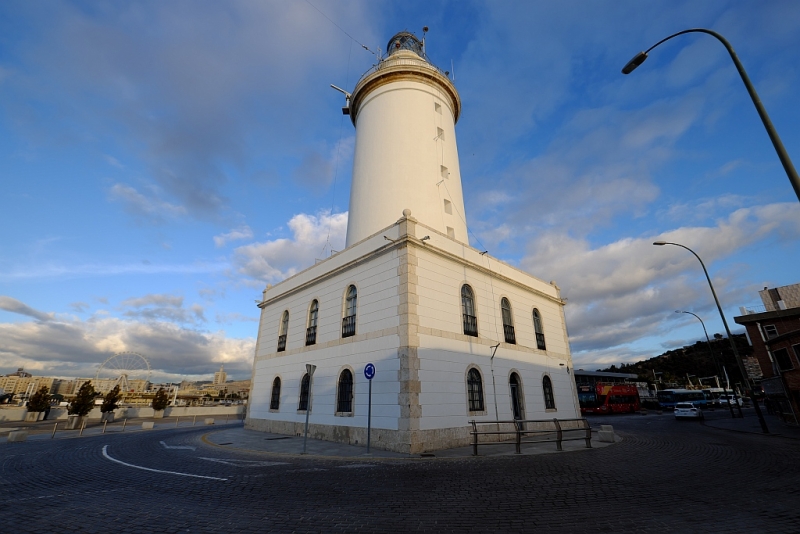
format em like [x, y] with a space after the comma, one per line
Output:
[399, 154]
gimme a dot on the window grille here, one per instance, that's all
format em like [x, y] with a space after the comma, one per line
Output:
[350, 306]
[474, 391]
[468, 311]
[311, 331]
[275, 401]
[283, 331]
[508, 322]
[537, 326]
[304, 383]
[344, 402]
[547, 390]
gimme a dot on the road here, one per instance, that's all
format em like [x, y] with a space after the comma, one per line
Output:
[665, 476]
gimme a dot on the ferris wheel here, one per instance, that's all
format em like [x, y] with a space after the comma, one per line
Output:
[124, 367]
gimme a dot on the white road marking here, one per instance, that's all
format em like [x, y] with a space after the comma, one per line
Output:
[242, 463]
[105, 453]
[187, 447]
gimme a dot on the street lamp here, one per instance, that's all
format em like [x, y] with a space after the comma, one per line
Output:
[742, 370]
[714, 359]
[639, 58]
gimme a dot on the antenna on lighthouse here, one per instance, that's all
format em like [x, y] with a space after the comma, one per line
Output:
[424, 31]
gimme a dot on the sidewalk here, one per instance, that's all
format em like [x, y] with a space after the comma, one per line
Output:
[256, 441]
[750, 424]
[231, 434]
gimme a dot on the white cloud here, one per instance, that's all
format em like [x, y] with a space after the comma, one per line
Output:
[75, 347]
[14, 306]
[275, 260]
[150, 209]
[243, 232]
[622, 291]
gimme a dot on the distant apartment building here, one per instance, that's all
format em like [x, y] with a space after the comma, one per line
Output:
[220, 377]
[774, 332]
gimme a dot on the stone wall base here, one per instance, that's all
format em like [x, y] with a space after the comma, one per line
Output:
[403, 441]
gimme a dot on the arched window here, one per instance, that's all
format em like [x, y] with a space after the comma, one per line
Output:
[275, 401]
[537, 326]
[349, 320]
[474, 390]
[517, 405]
[311, 330]
[547, 390]
[304, 383]
[468, 311]
[508, 321]
[344, 393]
[283, 331]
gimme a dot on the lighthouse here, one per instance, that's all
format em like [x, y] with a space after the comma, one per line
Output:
[449, 333]
[405, 111]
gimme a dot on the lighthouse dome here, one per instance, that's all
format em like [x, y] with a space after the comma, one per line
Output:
[405, 41]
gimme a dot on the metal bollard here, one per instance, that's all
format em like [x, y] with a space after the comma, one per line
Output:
[194, 420]
[82, 427]
[104, 426]
[124, 422]
[54, 431]
[226, 418]
[176, 420]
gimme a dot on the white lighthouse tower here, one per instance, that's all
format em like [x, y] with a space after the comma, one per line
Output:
[454, 334]
[405, 111]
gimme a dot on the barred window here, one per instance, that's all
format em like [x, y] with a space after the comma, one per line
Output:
[311, 330]
[344, 401]
[547, 391]
[275, 401]
[350, 306]
[284, 329]
[508, 321]
[475, 391]
[537, 326]
[468, 311]
[304, 387]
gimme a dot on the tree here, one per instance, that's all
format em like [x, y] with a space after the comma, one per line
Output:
[39, 401]
[111, 400]
[83, 402]
[161, 400]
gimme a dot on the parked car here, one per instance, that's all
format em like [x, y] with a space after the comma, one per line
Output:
[725, 400]
[687, 410]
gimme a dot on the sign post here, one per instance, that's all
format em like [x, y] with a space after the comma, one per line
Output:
[369, 373]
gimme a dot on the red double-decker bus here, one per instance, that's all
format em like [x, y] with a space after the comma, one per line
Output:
[608, 398]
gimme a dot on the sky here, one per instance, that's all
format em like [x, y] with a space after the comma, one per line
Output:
[161, 162]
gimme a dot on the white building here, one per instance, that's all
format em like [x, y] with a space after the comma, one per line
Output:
[454, 333]
[220, 377]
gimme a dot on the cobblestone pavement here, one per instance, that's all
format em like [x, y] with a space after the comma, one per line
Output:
[664, 476]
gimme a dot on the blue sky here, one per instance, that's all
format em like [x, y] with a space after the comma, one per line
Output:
[160, 162]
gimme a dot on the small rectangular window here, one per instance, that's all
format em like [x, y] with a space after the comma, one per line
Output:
[770, 331]
[437, 107]
[451, 233]
[440, 134]
[783, 360]
[448, 207]
[445, 172]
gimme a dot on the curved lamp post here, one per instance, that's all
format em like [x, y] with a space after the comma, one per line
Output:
[639, 58]
[742, 370]
[714, 359]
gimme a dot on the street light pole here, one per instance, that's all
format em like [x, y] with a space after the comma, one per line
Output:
[639, 58]
[742, 370]
[310, 371]
[714, 359]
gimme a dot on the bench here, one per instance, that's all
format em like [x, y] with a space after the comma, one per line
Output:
[531, 431]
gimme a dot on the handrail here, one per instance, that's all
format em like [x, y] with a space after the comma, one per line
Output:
[519, 432]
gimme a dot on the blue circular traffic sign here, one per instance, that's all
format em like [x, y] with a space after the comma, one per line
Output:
[369, 371]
